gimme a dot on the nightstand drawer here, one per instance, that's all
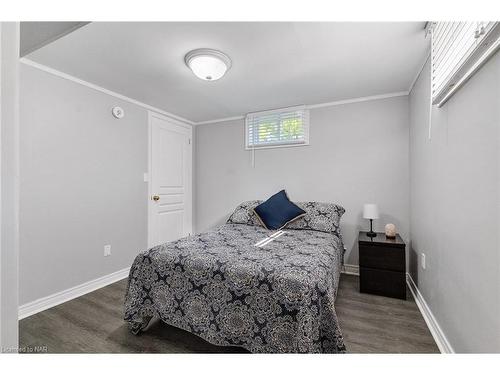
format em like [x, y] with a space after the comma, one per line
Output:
[382, 257]
[381, 282]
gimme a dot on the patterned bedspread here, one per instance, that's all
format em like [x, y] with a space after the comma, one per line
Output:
[219, 286]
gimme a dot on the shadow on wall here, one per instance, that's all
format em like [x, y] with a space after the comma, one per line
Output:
[346, 229]
[413, 263]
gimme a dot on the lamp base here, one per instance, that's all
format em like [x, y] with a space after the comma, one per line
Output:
[371, 234]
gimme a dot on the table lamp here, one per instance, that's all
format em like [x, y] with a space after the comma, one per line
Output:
[370, 211]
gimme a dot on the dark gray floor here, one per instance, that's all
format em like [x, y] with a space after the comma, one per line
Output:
[93, 324]
[375, 324]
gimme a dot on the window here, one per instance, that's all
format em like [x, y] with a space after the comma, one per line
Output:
[277, 128]
[458, 50]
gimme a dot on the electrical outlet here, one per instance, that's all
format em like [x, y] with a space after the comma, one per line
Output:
[423, 261]
[107, 250]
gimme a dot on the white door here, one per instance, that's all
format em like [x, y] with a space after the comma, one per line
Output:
[170, 200]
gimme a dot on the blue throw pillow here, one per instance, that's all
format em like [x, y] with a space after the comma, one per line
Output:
[278, 211]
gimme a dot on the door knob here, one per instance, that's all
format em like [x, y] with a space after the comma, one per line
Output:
[156, 197]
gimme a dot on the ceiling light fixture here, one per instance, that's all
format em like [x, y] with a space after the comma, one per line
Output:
[208, 64]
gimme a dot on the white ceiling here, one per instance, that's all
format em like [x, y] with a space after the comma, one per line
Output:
[274, 64]
[34, 35]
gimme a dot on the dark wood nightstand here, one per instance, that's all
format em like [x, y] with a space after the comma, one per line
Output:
[382, 265]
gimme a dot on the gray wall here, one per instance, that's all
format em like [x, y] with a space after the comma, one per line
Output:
[455, 208]
[9, 179]
[358, 153]
[81, 184]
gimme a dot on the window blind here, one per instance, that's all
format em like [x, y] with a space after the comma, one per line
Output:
[458, 49]
[282, 127]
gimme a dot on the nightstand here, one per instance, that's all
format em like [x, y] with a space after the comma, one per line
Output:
[382, 265]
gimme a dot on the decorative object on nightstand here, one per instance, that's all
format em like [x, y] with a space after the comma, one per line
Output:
[382, 265]
[390, 230]
[370, 211]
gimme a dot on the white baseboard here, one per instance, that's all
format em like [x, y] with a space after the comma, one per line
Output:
[55, 299]
[436, 331]
[351, 269]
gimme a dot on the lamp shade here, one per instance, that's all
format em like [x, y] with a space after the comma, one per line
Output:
[370, 211]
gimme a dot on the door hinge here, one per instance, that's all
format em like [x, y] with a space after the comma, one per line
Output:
[189, 140]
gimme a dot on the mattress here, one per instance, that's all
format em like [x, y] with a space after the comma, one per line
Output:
[278, 298]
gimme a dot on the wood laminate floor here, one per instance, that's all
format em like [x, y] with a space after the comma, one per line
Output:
[93, 323]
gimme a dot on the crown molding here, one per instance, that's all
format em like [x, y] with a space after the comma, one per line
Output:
[419, 72]
[93, 86]
[319, 105]
[82, 82]
[225, 119]
[358, 100]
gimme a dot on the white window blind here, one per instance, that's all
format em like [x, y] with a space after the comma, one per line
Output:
[277, 128]
[458, 50]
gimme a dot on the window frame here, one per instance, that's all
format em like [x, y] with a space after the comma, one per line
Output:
[280, 144]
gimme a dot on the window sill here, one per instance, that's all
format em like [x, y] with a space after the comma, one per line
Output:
[250, 148]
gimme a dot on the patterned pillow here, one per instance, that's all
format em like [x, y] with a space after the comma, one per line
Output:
[323, 217]
[244, 214]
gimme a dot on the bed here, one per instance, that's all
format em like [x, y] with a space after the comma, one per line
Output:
[277, 298]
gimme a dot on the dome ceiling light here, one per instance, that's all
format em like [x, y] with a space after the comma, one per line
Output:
[208, 64]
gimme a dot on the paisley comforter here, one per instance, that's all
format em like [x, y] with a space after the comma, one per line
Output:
[278, 298]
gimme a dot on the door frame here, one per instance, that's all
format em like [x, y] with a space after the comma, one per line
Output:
[189, 192]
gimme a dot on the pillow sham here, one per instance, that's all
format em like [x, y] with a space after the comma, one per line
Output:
[244, 214]
[278, 211]
[322, 217]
